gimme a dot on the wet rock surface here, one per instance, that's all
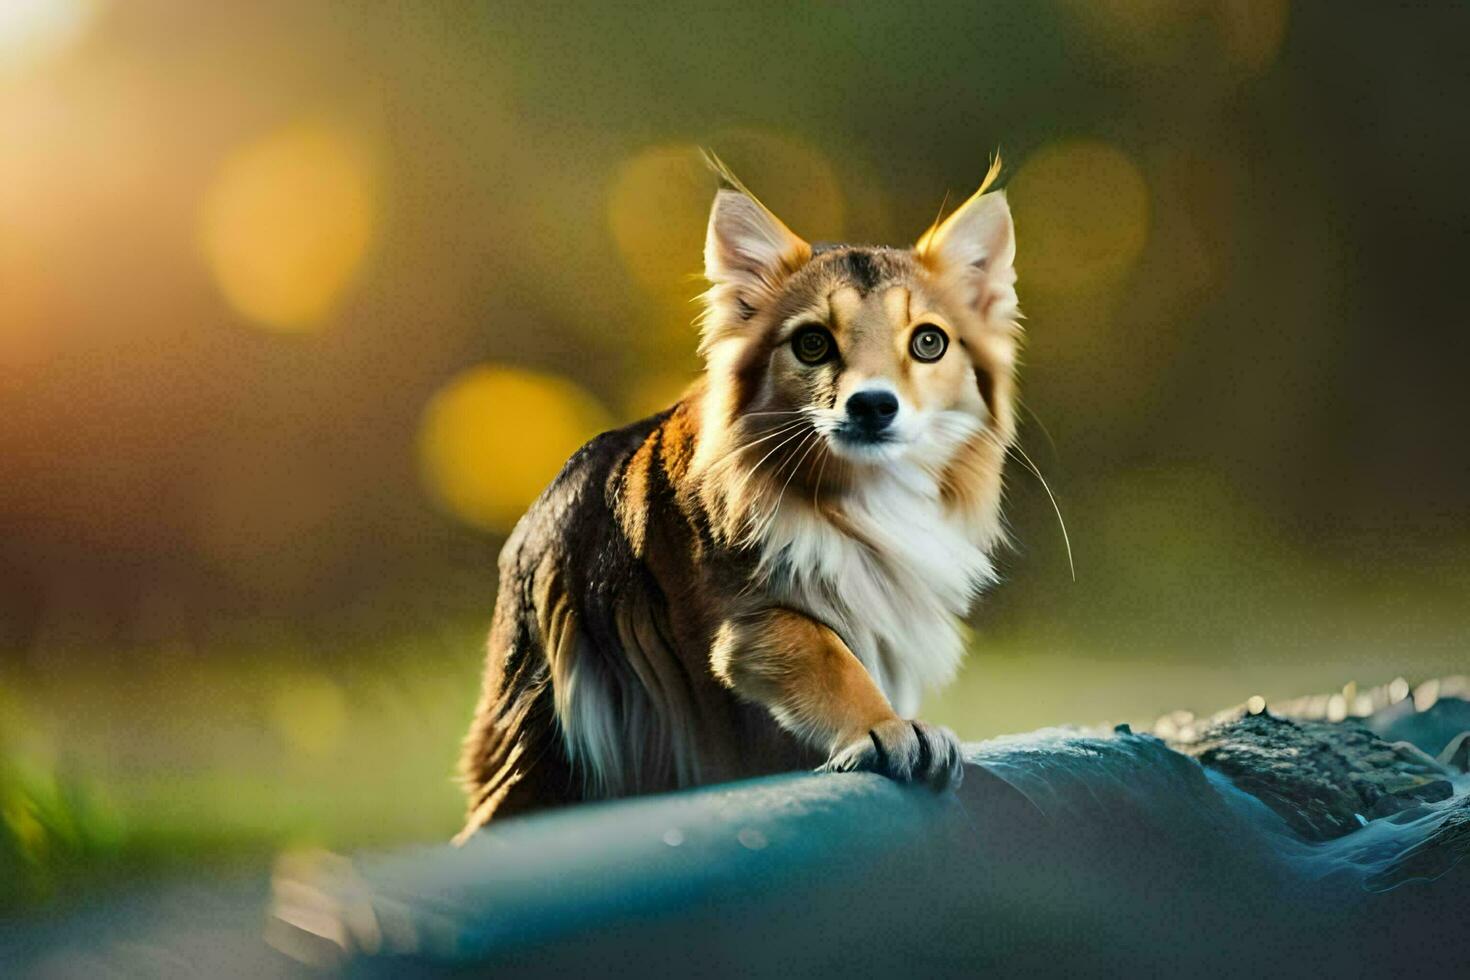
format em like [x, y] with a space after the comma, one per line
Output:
[1445, 847]
[1325, 779]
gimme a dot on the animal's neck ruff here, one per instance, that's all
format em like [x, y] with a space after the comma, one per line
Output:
[887, 564]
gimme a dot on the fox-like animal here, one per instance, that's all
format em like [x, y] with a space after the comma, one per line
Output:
[767, 575]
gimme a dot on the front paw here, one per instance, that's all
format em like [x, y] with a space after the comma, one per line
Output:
[908, 751]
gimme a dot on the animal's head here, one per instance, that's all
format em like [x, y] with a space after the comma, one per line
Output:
[832, 367]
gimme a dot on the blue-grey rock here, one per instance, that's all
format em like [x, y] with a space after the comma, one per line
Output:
[1320, 776]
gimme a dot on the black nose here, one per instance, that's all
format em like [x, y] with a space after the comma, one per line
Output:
[872, 411]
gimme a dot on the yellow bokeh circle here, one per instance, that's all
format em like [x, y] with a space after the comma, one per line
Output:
[791, 177]
[286, 224]
[657, 207]
[493, 437]
[1082, 215]
[659, 201]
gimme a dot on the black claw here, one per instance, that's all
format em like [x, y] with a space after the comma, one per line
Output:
[926, 753]
[878, 747]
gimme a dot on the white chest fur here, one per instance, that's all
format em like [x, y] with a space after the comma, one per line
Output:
[894, 584]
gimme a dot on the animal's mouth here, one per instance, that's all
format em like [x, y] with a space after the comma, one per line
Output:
[859, 445]
[856, 435]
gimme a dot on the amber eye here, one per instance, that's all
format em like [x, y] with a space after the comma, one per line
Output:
[812, 345]
[928, 343]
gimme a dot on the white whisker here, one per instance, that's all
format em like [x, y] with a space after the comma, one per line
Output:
[810, 443]
[756, 442]
[752, 471]
[1056, 508]
[817, 488]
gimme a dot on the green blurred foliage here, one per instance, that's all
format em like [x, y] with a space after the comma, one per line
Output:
[164, 764]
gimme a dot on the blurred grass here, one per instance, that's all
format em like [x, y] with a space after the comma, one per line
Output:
[168, 761]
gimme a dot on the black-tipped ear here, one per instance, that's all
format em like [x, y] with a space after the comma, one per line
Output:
[975, 249]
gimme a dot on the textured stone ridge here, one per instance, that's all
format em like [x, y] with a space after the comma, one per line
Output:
[1445, 847]
[1325, 779]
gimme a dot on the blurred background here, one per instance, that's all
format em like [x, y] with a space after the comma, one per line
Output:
[301, 304]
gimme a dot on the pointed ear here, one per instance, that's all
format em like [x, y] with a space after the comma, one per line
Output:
[748, 253]
[974, 251]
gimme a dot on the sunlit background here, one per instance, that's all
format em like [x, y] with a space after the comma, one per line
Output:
[302, 303]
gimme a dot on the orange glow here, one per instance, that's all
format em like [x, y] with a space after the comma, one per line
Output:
[287, 223]
[34, 30]
[27, 292]
[494, 437]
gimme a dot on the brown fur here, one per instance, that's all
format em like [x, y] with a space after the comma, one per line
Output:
[641, 639]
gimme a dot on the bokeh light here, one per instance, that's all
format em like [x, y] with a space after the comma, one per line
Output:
[494, 437]
[1085, 207]
[1206, 35]
[659, 200]
[654, 393]
[656, 209]
[1252, 32]
[792, 177]
[243, 245]
[1137, 33]
[658, 205]
[34, 30]
[287, 222]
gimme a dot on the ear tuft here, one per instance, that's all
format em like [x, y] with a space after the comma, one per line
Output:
[747, 243]
[974, 250]
[748, 253]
